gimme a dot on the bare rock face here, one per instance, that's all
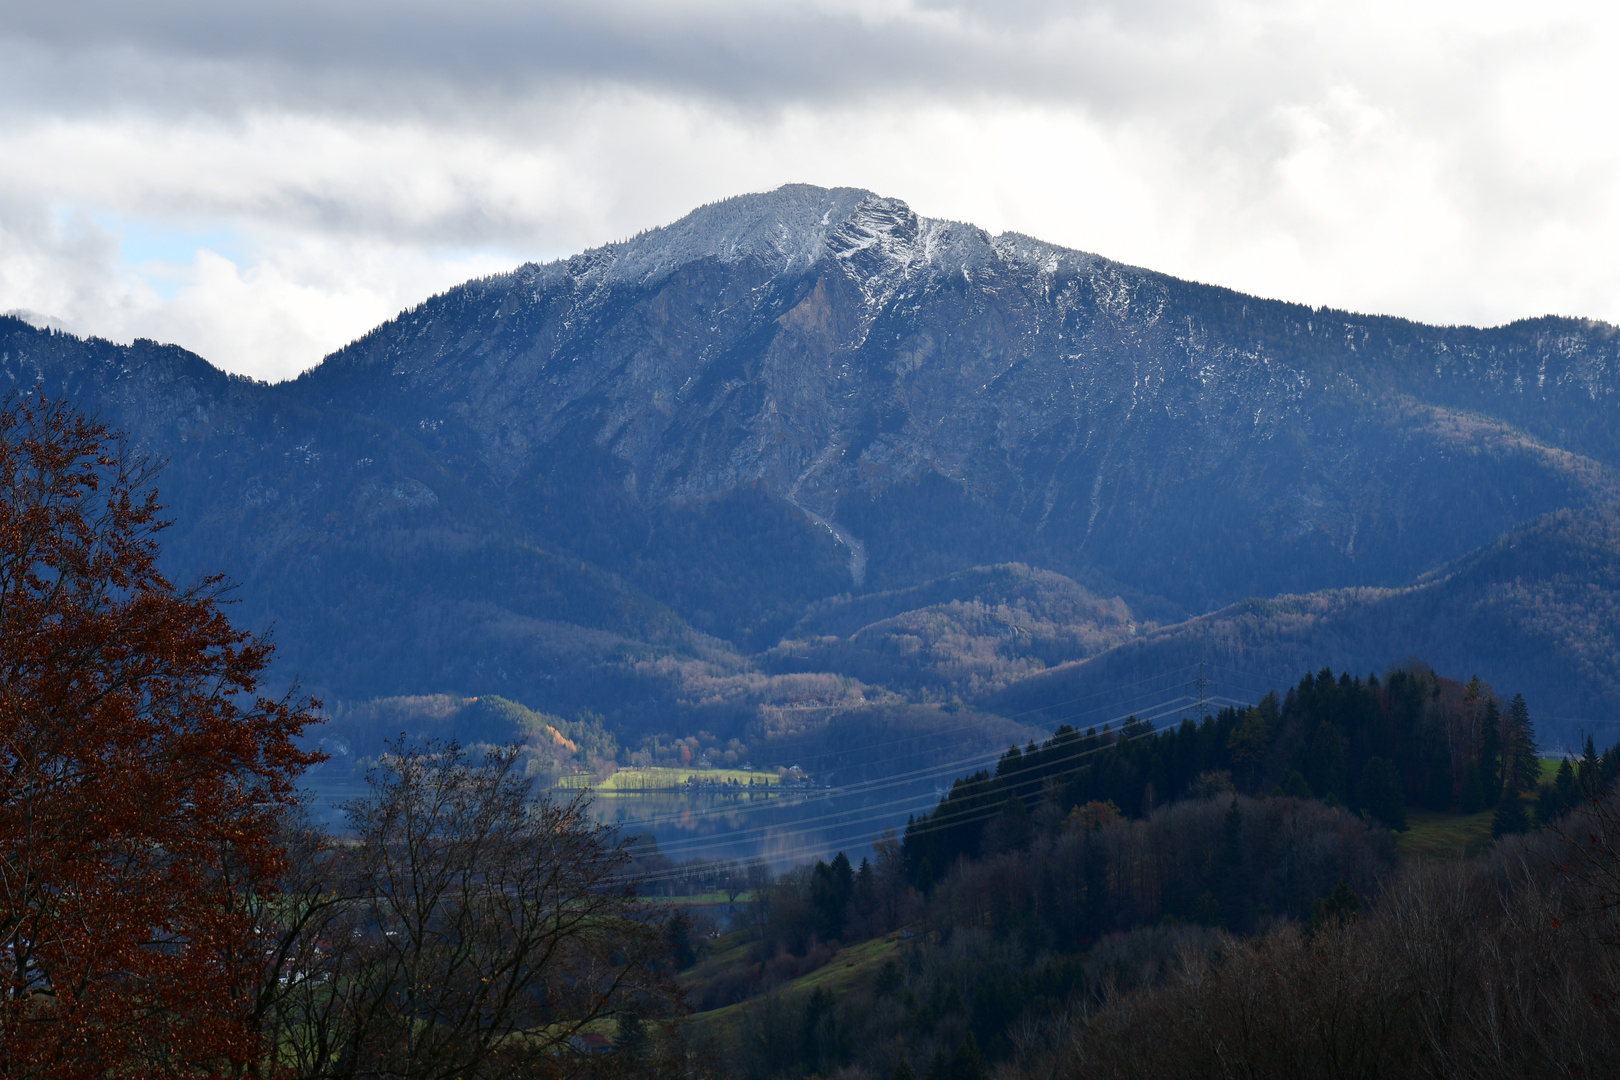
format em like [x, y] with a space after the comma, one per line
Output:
[699, 433]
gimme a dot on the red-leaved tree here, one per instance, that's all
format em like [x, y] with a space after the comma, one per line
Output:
[142, 776]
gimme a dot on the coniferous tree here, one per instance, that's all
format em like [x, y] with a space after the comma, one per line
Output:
[1341, 903]
[967, 1063]
[1590, 769]
[831, 886]
[1555, 799]
[1295, 785]
[864, 896]
[1324, 763]
[821, 1035]
[1521, 762]
[1009, 830]
[1569, 789]
[630, 1037]
[1549, 807]
[1490, 751]
[1382, 793]
[1247, 745]
[1228, 903]
[1510, 816]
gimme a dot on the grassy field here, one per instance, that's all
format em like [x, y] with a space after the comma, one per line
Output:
[848, 969]
[1437, 835]
[659, 778]
[728, 950]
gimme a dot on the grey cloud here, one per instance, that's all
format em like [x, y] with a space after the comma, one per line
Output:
[1330, 154]
[420, 56]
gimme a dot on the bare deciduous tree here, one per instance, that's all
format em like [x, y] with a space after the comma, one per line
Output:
[466, 930]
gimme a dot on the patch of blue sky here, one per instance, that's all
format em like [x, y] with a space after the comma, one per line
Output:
[143, 242]
[162, 254]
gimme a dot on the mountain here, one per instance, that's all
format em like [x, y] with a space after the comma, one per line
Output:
[937, 398]
[615, 480]
[1538, 610]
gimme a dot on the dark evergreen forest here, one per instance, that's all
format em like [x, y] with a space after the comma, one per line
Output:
[1102, 866]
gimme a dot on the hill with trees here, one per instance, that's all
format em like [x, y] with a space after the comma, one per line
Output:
[1022, 922]
[1534, 610]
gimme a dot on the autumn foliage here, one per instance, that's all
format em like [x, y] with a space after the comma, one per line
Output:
[142, 773]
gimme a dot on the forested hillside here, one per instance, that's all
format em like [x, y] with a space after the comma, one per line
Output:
[1131, 863]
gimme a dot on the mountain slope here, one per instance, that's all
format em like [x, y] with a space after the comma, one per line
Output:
[940, 398]
[606, 480]
[964, 634]
[1537, 612]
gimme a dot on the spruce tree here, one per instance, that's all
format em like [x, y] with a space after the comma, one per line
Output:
[821, 1030]
[630, 1039]
[1549, 807]
[1490, 752]
[1510, 816]
[679, 933]
[1230, 904]
[1295, 785]
[1341, 903]
[1589, 771]
[1554, 800]
[1382, 793]
[830, 889]
[1569, 789]
[967, 1063]
[864, 897]
[1525, 766]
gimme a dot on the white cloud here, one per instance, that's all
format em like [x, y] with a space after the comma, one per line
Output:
[1448, 162]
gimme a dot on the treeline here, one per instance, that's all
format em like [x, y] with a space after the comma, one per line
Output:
[1374, 746]
[1496, 969]
[1113, 865]
[1005, 940]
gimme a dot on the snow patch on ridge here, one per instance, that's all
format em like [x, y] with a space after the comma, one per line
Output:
[793, 228]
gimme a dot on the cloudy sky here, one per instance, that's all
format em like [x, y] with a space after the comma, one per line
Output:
[263, 181]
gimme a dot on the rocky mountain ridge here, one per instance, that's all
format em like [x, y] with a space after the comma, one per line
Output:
[575, 475]
[1032, 384]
